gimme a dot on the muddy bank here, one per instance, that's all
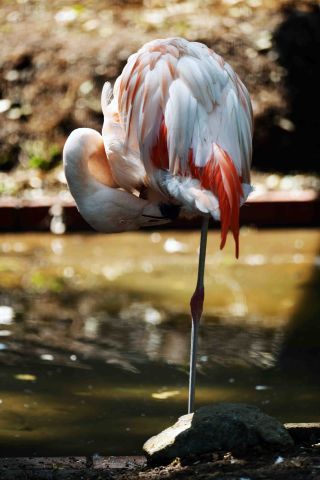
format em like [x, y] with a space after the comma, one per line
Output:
[55, 57]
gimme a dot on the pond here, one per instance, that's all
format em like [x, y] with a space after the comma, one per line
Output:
[94, 334]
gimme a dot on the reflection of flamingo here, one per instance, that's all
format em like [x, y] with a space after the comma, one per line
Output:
[176, 138]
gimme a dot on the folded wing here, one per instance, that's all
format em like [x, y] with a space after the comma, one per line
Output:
[185, 117]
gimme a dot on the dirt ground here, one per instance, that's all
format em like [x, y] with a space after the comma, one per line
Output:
[56, 55]
[301, 463]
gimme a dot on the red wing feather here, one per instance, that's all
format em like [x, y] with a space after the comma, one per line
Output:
[159, 152]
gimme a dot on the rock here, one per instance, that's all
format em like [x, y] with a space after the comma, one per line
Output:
[228, 427]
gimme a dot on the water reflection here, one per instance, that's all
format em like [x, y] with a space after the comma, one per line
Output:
[95, 335]
[133, 332]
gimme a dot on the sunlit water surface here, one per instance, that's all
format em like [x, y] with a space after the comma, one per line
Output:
[94, 334]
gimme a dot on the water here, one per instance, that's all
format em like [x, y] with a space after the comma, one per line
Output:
[94, 334]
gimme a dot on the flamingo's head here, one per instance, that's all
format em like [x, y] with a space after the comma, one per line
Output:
[101, 202]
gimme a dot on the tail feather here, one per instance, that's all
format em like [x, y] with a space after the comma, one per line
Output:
[227, 186]
[220, 176]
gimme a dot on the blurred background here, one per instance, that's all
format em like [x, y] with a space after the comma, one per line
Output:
[94, 330]
[55, 57]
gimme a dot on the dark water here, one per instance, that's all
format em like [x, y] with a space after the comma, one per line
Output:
[94, 335]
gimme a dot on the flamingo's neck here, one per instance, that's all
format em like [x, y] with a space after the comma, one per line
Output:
[86, 164]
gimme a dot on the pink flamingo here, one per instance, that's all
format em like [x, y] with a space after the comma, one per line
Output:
[176, 140]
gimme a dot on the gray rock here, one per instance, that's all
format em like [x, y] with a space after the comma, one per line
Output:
[228, 427]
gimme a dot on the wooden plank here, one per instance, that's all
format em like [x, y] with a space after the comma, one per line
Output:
[67, 468]
[270, 209]
[72, 463]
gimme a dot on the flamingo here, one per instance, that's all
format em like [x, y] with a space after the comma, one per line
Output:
[176, 141]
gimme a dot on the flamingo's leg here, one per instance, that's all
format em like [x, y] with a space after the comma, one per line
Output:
[196, 305]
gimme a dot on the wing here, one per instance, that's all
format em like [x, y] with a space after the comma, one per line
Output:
[188, 115]
[124, 161]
